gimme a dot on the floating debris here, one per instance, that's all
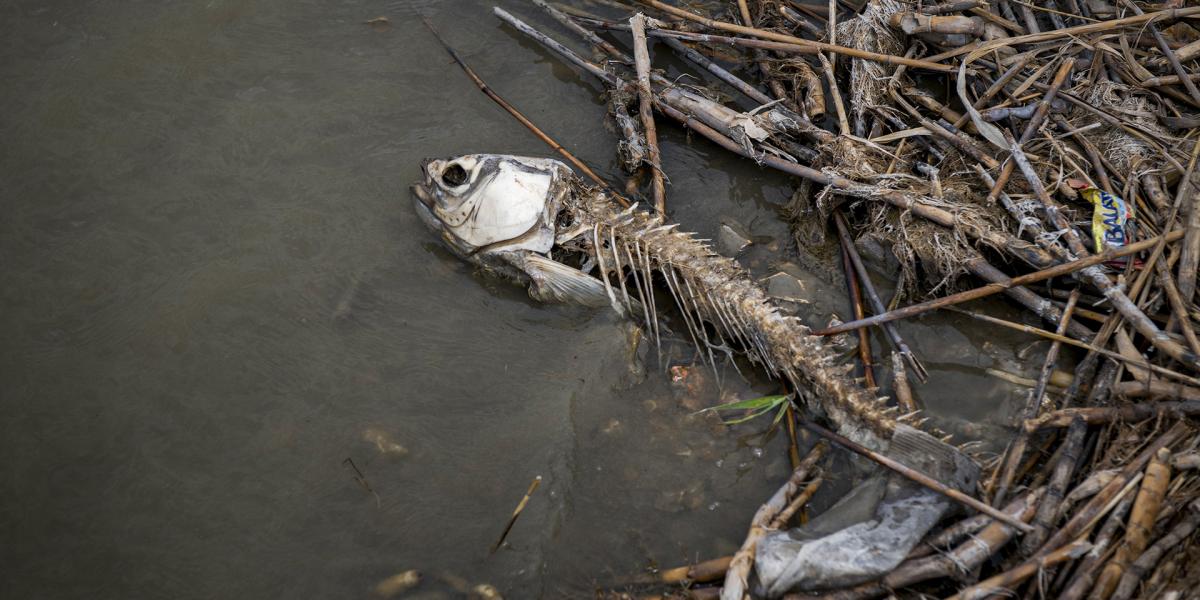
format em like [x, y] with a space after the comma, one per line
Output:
[384, 443]
[397, 584]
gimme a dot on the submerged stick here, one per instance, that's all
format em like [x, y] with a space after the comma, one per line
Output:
[1066, 340]
[916, 476]
[641, 60]
[996, 288]
[517, 512]
[876, 302]
[483, 87]
[856, 303]
[1016, 450]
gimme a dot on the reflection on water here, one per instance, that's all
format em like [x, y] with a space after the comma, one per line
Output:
[234, 364]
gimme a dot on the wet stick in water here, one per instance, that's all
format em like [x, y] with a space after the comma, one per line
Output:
[1032, 406]
[362, 480]
[864, 335]
[483, 87]
[872, 295]
[516, 513]
[1078, 344]
[641, 59]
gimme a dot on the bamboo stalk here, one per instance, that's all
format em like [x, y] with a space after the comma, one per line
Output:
[1141, 521]
[701, 572]
[1151, 557]
[1025, 570]
[1100, 503]
[1085, 574]
[781, 520]
[1064, 468]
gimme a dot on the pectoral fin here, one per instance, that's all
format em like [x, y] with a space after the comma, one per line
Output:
[555, 282]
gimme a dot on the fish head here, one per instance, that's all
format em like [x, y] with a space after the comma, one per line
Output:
[486, 203]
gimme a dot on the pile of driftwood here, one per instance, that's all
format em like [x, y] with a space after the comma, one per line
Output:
[1003, 143]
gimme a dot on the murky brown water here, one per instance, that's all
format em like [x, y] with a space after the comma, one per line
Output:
[214, 292]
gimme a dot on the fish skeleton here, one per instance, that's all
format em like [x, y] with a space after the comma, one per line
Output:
[507, 214]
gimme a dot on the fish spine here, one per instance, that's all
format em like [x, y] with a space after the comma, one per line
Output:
[715, 288]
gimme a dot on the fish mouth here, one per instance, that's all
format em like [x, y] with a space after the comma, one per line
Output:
[423, 202]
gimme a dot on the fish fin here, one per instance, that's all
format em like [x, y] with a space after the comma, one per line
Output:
[555, 282]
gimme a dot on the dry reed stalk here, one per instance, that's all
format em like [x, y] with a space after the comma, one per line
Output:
[1012, 578]
[1141, 523]
[801, 42]
[1152, 556]
[641, 58]
[996, 288]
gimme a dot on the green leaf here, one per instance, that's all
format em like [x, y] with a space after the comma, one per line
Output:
[749, 416]
[760, 406]
[767, 402]
[779, 415]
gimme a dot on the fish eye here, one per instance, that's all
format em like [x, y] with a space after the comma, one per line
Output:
[454, 175]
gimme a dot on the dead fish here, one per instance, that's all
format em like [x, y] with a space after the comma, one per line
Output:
[506, 214]
[512, 215]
